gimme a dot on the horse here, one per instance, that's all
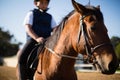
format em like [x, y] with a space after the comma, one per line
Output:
[82, 31]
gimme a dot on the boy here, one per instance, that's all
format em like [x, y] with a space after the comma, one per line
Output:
[39, 25]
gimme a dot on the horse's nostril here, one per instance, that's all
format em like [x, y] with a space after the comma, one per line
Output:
[112, 67]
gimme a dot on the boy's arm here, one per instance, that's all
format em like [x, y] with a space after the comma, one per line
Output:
[32, 34]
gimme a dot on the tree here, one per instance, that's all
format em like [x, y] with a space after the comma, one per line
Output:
[115, 41]
[117, 49]
[116, 44]
[7, 48]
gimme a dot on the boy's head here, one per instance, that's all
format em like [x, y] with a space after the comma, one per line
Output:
[42, 4]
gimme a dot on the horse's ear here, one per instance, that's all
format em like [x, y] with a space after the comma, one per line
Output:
[78, 7]
[98, 7]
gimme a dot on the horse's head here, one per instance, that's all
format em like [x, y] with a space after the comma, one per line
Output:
[89, 35]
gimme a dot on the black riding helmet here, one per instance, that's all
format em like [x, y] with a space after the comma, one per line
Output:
[39, 0]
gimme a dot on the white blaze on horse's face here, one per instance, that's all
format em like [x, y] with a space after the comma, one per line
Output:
[97, 37]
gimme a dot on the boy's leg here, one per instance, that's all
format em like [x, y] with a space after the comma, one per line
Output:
[22, 72]
[22, 61]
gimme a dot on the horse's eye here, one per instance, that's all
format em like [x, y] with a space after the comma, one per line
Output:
[92, 18]
[93, 28]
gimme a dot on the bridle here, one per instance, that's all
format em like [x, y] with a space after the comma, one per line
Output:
[89, 50]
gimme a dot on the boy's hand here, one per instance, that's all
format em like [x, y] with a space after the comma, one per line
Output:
[40, 40]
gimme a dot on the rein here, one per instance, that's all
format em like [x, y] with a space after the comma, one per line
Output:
[89, 50]
[65, 56]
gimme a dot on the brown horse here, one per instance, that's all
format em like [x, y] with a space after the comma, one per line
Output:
[81, 31]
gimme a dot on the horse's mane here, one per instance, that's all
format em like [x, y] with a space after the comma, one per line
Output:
[52, 40]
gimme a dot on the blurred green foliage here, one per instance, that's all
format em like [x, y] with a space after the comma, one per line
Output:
[7, 47]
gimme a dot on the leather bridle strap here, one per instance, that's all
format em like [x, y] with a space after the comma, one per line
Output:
[81, 27]
[100, 45]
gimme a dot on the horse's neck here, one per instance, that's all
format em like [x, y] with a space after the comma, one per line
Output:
[62, 46]
[61, 63]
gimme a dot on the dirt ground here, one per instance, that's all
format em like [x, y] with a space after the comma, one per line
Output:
[8, 73]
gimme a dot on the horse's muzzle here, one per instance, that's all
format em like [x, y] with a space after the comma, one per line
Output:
[111, 68]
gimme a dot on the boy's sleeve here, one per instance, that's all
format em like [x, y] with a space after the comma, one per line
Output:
[28, 18]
